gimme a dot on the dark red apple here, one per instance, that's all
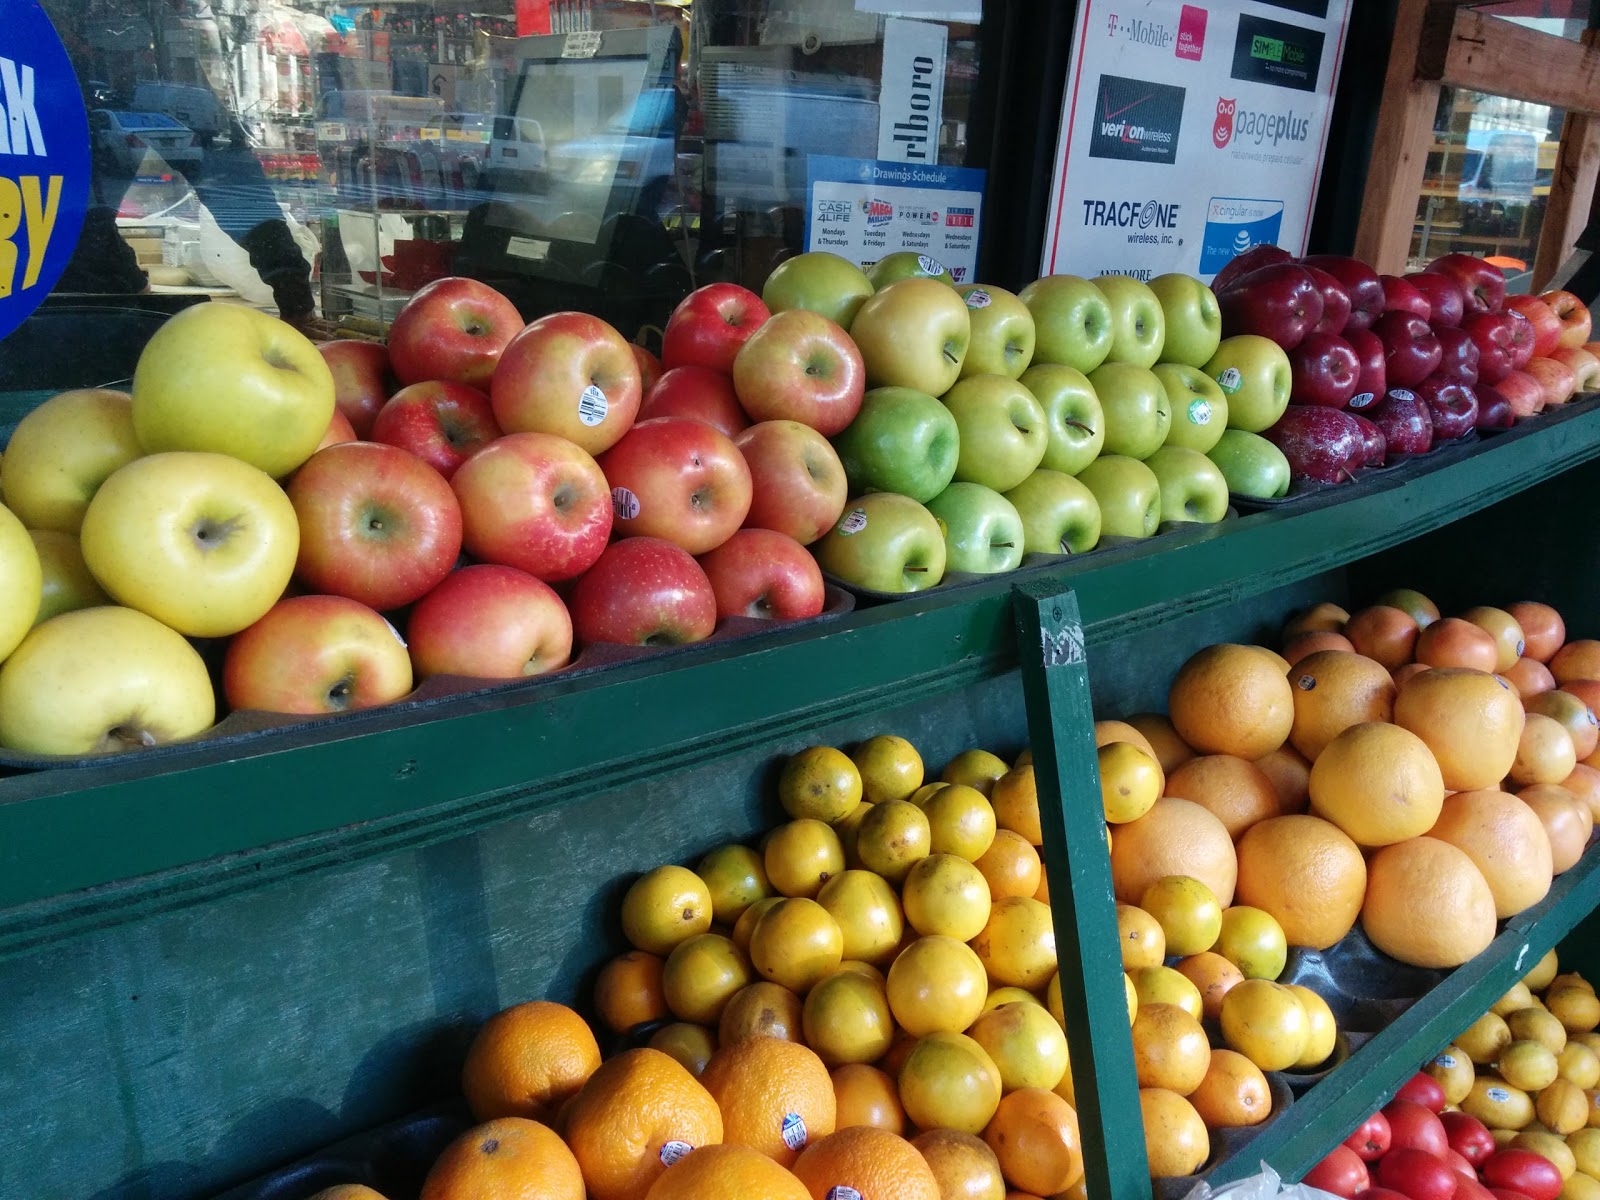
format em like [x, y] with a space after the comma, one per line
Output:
[698, 393]
[1494, 410]
[1361, 285]
[1280, 303]
[1401, 295]
[1374, 443]
[1459, 353]
[1411, 351]
[1452, 407]
[643, 591]
[1320, 443]
[1251, 260]
[1407, 428]
[1325, 370]
[1335, 301]
[1483, 285]
[1491, 333]
[1374, 378]
[1444, 297]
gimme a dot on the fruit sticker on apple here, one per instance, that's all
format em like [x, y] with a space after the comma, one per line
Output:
[684, 482]
[571, 375]
[1254, 373]
[1003, 335]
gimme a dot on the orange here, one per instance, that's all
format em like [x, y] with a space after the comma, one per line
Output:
[961, 820]
[1018, 945]
[1290, 774]
[1169, 1048]
[1576, 660]
[947, 895]
[690, 1046]
[1025, 1043]
[1427, 904]
[1584, 783]
[1253, 941]
[1334, 690]
[1530, 677]
[1503, 628]
[761, 1009]
[511, 1157]
[627, 992]
[1566, 819]
[937, 984]
[1575, 716]
[1265, 1022]
[1238, 793]
[1130, 781]
[975, 768]
[1319, 618]
[948, 1081]
[735, 878]
[664, 907]
[702, 975]
[638, 1113]
[804, 854]
[1171, 751]
[1034, 1135]
[892, 837]
[727, 1171]
[775, 1096]
[1303, 644]
[1544, 752]
[868, 914]
[1307, 873]
[889, 766]
[874, 1162]
[1213, 975]
[527, 1060]
[1176, 837]
[1470, 720]
[1187, 911]
[1413, 603]
[1543, 630]
[1505, 840]
[864, 1095]
[819, 783]
[1377, 782]
[1452, 642]
[1231, 699]
[1233, 1094]
[846, 1019]
[1384, 634]
[795, 943]
[1010, 866]
[1016, 804]
[964, 1166]
[1401, 674]
[1106, 732]
[1144, 942]
[360, 1191]
[1175, 1138]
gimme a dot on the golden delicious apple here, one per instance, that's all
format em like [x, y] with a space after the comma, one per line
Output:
[62, 451]
[21, 582]
[68, 583]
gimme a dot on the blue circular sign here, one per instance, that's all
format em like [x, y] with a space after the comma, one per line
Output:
[44, 161]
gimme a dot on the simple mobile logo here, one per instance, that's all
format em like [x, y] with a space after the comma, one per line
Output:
[1136, 120]
[1271, 52]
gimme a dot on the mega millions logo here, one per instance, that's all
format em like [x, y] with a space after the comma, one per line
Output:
[1222, 128]
[877, 212]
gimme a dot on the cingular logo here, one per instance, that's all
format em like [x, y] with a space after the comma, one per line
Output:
[1258, 126]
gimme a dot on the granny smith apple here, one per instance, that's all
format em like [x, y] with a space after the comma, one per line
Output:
[913, 334]
[1192, 486]
[1128, 492]
[907, 264]
[1071, 320]
[885, 542]
[1252, 465]
[1254, 374]
[1073, 419]
[1002, 332]
[1002, 428]
[1199, 408]
[1194, 320]
[1137, 413]
[1059, 513]
[983, 533]
[1138, 326]
[819, 281]
[902, 441]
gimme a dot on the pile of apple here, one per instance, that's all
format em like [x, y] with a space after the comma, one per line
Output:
[1383, 366]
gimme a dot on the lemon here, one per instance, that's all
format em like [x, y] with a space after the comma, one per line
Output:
[664, 907]
[1452, 1070]
[735, 878]
[1537, 1024]
[960, 822]
[1485, 1038]
[1549, 1146]
[820, 783]
[801, 856]
[1543, 972]
[947, 895]
[892, 837]
[1528, 1065]
[889, 766]
[1516, 996]
[1579, 1064]
[1578, 1009]
[847, 1020]
[1187, 911]
[867, 912]
[1498, 1104]
[1562, 1107]
[1585, 1147]
[1130, 781]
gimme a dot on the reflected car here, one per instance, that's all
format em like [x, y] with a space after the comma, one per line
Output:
[142, 143]
[628, 166]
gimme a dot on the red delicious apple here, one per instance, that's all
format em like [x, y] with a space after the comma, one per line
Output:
[649, 366]
[1522, 339]
[644, 591]
[1525, 393]
[571, 375]
[377, 524]
[800, 366]
[709, 325]
[680, 480]
[764, 573]
[487, 621]
[1494, 410]
[1573, 314]
[1404, 421]
[1265, 255]
[698, 393]
[1401, 295]
[1446, 301]
[1458, 353]
[1280, 303]
[797, 483]
[1373, 379]
[1324, 444]
[1483, 286]
[1452, 407]
[1374, 445]
[1547, 326]
[362, 380]
[1325, 370]
[1361, 284]
[1585, 366]
[535, 502]
[1335, 301]
[1492, 334]
[1411, 351]
[453, 329]
[441, 422]
[316, 654]
[1558, 380]
[339, 430]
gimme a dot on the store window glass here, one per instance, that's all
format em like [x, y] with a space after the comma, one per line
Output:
[1563, 18]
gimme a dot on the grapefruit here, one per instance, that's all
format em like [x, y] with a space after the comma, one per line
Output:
[1567, 822]
[1427, 904]
[1472, 722]
[1230, 699]
[1237, 792]
[1384, 634]
[1176, 837]
[1291, 778]
[1543, 630]
[1505, 840]
[1305, 872]
[1377, 782]
[1453, 642]
[1334, 690]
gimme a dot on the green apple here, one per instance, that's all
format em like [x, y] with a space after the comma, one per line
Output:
[1002, 428]
[1071, 320]
[885, 542]
[201, 542]
[1254, 374]
[819, 282]
[62, 451]
[1199, 409]
[907, 264]
[1059, 513]
[1128, 493]
[24, 582]
[1073, 419]
[902, 441]
[1192, 487]
[983, 533]
[1137, 414]
[1138, 326]
[1252, 465]
[67, 584]
[1194, 321]
[913, 334]
[1002, 332]
[228, 379]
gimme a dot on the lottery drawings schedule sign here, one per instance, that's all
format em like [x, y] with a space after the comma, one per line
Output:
[1190, 132]
[864, 210]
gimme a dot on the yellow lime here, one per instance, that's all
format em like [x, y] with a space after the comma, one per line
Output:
[1322, 1030]
[1143, 942]
[960, 821]
[735, 878]
[947, 895]
[936, 985]
[821, 783]
[1187, 911]
[1485, 1038]
[801, 856]
[701, 975]
[1163, 985]
[1008, 995]
[1130, 781]
[796, 943]
[1265, 1022]
[747, 921]
[890, 768]
[1027, 1046]
[846, 1019]
[975, 768]
[948, 1081]
[1252, 940]
[867, 912]
[664, 907]
[1018, 945]
[892, 838]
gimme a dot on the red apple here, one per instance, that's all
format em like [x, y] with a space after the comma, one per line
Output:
[571, 375]
[1492, 334]
[698, 393]
[316, 654]
[488, 621]
[1401, 295]
[1411, 351]
[1494, 410]
[1574, 316]
[644, 591]
[442, 423]
[679, 480]
[1525, 393]
[1458, 353]
[1547, 326]
[1264, 255]
[1280, 303]
[452, 328]
[800, 366]
[1585, 366]
[1325, 371]
[764, 573]
[1483, 285]
[1469, 1137]
[1447, 303]
[1374, 379]
[1335, 300]
[362, 380]
[1370, 1139]
[377, 524]
[649, 366]
[1375, 445]
[1320, 443]
[1523, 338]
[1557, 379]
[535, 502]
[709, 325]
[1452, 407]
[797, 483]
[339, 430]
[1361, 285]
[1404, 422]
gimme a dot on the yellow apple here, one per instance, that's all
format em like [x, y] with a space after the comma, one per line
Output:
[68, 583]
[101, 680]
[62, 451]
[201, 542]
[23, 582]
[231, 380]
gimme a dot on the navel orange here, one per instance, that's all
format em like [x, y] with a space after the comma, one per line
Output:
[865, 1095]
[775, 1096]
[527, 1060]
[727, 1171]
[511, 1157]
[628, 993]
[873, 1162]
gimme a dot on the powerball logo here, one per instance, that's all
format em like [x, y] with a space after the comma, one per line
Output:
[878, 212]
[959, 218]
[920, 216]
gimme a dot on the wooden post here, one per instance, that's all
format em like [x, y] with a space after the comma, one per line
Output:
[1572, 189]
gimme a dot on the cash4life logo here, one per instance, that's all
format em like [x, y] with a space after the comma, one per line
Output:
[1188, 40]
[1270, 52]
[1136, 120]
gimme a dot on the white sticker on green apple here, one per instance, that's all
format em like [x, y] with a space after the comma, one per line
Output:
[1200, 412]
[854, 522]
[978, 298]
[1231, 380]
[929, 265]
[592, 406]
[624, 504]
